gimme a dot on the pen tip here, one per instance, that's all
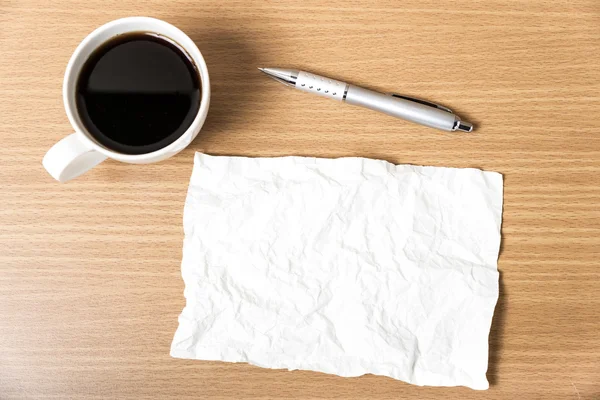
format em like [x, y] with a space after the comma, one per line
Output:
[262, 69]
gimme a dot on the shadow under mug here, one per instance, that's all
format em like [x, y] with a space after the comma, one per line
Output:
[79, 152]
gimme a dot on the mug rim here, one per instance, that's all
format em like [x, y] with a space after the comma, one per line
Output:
[182, 141]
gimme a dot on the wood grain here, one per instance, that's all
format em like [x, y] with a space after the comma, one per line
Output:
[90, 287]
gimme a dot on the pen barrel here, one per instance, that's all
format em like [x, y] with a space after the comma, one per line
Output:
[401, 108]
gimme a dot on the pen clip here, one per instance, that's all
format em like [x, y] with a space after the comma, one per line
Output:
[427, 103]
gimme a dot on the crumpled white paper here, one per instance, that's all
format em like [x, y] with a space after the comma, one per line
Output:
[346, 266]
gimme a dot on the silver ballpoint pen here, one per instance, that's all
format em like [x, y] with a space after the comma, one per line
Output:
[408, 108]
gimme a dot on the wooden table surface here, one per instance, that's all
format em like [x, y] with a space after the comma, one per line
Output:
[90, 285]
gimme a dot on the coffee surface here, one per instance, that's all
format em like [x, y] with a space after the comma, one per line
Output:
[138, 93]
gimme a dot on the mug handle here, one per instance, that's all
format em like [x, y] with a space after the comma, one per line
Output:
[71, 157]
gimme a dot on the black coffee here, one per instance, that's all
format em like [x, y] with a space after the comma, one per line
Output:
[138, 93]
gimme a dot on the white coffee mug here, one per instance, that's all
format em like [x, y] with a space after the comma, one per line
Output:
[79, 152]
